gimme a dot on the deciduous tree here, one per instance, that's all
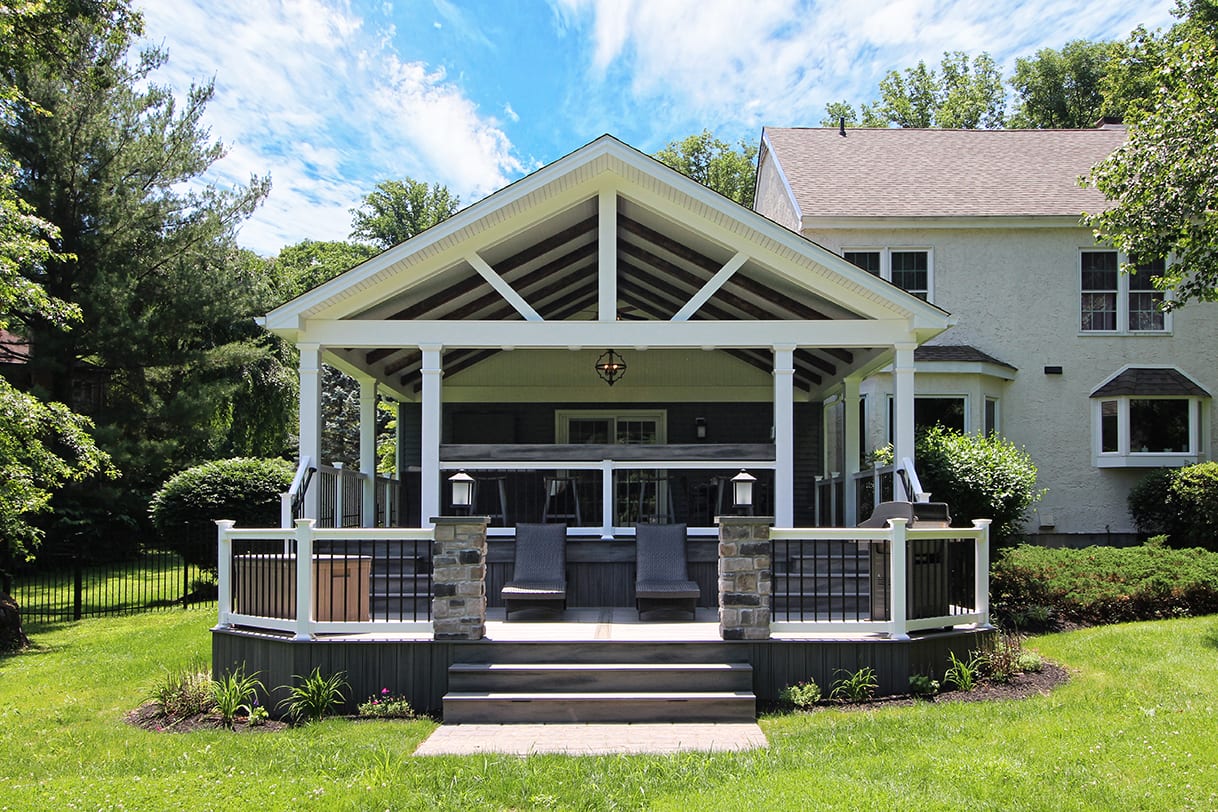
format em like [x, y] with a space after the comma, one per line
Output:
[716, 164]
[396, 210]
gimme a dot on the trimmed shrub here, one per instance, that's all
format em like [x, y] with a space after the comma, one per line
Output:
[1035, 588]
[1183, 504]
[979, 477]
[243, 489]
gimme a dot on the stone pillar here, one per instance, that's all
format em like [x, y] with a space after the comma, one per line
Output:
[458, 604]
[745, 577]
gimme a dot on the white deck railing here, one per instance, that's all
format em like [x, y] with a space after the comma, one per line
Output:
[364, 580]
[897, 550]
[343, 497]
[260, 582]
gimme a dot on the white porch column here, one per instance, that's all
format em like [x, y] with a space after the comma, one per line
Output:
[903, 411]
[429, 498]
[784, 436]
[850, 403]
[367, 449]
[310, 418]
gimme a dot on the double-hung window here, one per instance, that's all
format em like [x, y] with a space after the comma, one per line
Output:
[1115, 302]
[908, 268]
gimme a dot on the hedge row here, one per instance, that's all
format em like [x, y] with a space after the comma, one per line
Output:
[1036, 588]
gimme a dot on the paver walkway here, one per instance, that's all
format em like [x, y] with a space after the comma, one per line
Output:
[591, 739]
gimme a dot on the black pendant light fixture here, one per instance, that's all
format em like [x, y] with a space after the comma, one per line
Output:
[611, 367]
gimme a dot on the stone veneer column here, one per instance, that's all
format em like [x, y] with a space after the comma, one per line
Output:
[458, 582]
[745, 577]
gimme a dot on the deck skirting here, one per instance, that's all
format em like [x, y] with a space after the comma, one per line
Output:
[419, 669]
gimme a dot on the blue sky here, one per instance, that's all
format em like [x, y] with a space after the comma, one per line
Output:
[330, 97]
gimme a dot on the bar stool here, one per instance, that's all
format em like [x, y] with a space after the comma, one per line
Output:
[651, 486]
[563, 493]
[500, 481]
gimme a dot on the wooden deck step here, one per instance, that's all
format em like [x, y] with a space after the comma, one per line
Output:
[624, 706]
[600, 677]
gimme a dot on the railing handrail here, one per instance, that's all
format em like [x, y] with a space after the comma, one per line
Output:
[334, 534]
[597, 465]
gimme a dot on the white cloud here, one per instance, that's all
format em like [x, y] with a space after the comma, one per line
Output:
[317, 96]
[510, 113]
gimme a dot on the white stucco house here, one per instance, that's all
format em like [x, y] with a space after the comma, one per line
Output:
[1052, 347]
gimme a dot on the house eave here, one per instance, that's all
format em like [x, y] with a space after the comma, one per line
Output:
[867, 222]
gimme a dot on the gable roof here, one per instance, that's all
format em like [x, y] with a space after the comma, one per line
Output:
[605, 244]
[939, 173]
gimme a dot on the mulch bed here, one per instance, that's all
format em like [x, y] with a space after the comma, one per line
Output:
[150, 717]
[1030, 683]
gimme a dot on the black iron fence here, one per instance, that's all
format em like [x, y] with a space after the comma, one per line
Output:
[75, 587]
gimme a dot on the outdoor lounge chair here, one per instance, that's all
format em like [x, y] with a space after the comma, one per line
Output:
[539, 581]
[662, 587]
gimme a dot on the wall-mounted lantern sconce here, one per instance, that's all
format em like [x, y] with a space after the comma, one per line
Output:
[463, 492]
[742, 492]
[700, 428]
[611, 367]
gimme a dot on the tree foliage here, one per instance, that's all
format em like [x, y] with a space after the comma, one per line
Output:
[396, 210]
[1181, 504]
[714, 163]
[1062, 89]
[979, 477]
[245, 490]
[1164, 179]
[961, 94]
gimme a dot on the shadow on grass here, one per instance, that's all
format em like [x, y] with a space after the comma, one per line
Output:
[1210, 637]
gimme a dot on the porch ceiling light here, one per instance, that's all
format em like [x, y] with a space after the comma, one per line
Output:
[742, 491]
[463, 491]
[611, 367]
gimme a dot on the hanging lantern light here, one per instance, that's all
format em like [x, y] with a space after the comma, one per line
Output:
[610, 367]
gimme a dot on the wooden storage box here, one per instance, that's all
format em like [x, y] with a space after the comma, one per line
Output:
[265, 585]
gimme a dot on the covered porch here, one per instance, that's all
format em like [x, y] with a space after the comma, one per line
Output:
[604, 343]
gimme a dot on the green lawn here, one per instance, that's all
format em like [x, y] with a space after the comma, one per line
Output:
[1137, 728]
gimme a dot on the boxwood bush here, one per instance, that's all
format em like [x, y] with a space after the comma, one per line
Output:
[1037, 588]
[979, 478]
[243, 489]
[1183, 504]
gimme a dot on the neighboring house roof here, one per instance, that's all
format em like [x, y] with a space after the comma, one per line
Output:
[13, 348]
[955, 352]
[1150, 381]
[939, 173]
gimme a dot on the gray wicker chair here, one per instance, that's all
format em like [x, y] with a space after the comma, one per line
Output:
[539, 581]
[662, 588]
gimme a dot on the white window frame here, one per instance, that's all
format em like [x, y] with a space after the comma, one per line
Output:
[886, 252]
[1126, 457]
[562, 418]
[1122, 298]
[997, 427]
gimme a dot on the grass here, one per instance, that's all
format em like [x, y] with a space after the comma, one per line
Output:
[1133, 730]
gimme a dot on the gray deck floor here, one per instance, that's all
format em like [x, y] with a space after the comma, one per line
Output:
[604, 623]
[591, 739]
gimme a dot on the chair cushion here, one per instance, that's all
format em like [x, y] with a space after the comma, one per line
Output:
[534, 590]
[666, 589]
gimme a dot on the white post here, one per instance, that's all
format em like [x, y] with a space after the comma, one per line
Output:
[903, 413]
[310, 416]
[981, 576]
[851, 442]
[367, 450]
[896, 578]
[784, 436]
[304, 579]
[606, 263]
[224, 572]
[285, 510]
[607, 501]
[433, 373]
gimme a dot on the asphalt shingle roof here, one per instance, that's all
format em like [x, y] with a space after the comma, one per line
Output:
[955, 352]
[941, 173]
[1149, 381]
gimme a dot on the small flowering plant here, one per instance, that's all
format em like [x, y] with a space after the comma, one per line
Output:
[386, 705]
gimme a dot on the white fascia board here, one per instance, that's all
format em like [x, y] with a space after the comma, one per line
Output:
[345, 366]
[870, 222]
[965, 368]
[768, 150]
[370, 334]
